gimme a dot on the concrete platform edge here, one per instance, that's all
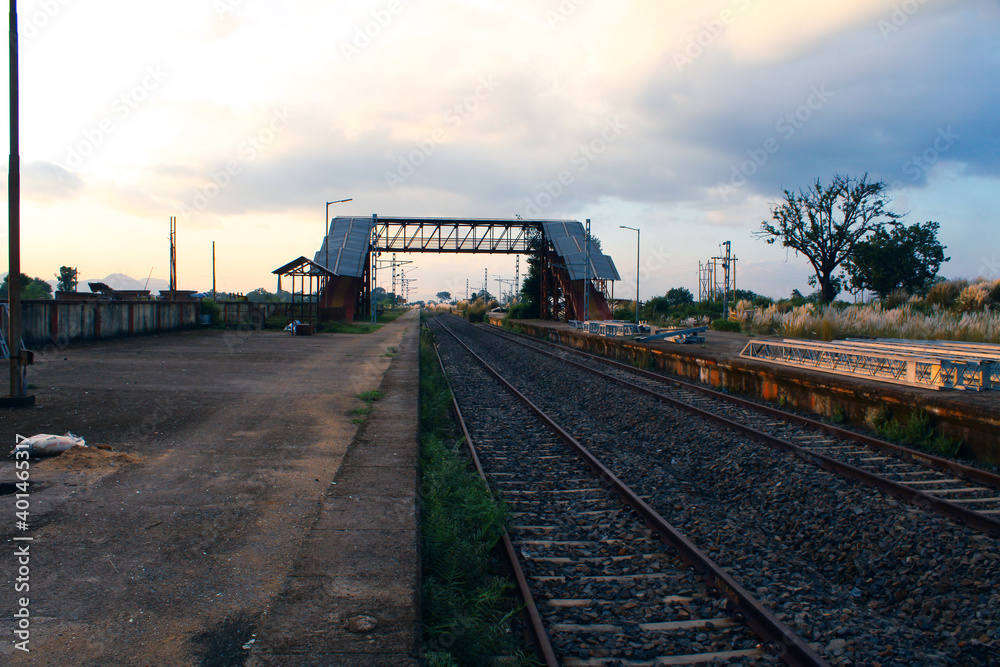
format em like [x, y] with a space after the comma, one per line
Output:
[362, 555]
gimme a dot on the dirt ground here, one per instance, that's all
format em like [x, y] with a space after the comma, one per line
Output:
[167, 549]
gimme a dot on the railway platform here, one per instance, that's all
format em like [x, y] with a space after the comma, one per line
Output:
[352, 595]
[243, 514]
[972, 417]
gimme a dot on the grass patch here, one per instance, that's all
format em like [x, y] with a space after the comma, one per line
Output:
[916, 431]
[371, 396]
[349, 327]
[368, 397]
[391, 352]
[468, 604]
[389, 316]
[726, 325]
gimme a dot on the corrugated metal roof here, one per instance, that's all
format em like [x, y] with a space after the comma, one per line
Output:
[569, 237]
[297, 264]
[346, 245]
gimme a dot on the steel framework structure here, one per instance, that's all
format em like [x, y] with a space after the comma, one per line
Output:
[453, 235]
[926, 367]
[352, 246]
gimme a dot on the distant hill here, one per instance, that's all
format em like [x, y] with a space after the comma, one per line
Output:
[119, 281]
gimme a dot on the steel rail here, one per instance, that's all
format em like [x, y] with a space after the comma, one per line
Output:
[925, 501]
[537, 625]
[792, 649]
[967, 473]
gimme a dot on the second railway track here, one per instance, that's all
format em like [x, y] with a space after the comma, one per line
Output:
[957, 491]
[609, 590]
[869, 580]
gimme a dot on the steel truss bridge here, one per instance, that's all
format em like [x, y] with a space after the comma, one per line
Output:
[575, 274]
[510, 237]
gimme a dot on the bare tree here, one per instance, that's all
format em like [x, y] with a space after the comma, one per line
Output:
[825, 223]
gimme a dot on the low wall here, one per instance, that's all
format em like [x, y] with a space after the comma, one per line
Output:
[62, 322]
[973, 419]
[46, 322]
[249, 313]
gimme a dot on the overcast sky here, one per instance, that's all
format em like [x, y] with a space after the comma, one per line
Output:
[243, 117]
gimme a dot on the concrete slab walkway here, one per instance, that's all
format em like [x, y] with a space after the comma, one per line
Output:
[352, 597]
[170, 549]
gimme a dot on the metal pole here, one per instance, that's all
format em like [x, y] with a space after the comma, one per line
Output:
[586, 282]
[173, 258]
[213, 271]
[17, 389]
[725, 288]
[637, 235]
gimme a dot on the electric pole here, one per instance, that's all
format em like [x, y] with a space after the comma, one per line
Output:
[18, 394]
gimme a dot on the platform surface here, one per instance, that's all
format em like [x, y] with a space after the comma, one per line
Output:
[195, 534]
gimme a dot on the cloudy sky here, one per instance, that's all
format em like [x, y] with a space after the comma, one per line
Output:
[242, 117]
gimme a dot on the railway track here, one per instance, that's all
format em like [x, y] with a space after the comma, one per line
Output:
[954, 490]
[613, 582]
[864, 578]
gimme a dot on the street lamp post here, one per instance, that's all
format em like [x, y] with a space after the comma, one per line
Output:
[326, 224]
[634, 229]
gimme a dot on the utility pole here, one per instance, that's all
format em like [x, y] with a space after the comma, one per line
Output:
[729, 274]
[213, 271]
[725, 292]
[374, 254]
[586, 282]
[466, 289]
[173, 257]
[486, 283]
[517, 275]
[18, 394]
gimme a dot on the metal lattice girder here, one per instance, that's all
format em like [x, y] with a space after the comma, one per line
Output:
[932, 369]
[454, 235]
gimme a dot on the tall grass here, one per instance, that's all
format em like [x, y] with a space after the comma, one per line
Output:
[912, 320]
[467, 603]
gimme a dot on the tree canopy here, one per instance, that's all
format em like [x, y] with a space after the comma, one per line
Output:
[905, 258]
[67, 279]
[825, 223]
[31, 288]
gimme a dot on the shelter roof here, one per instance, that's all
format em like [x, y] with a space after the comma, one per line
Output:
[303, 267]
[345, 247]
[569, 238]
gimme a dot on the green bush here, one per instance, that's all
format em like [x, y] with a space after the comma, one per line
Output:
[917, 431]
[476, 312]
[210, 307]
[723, 324]
[945, 294]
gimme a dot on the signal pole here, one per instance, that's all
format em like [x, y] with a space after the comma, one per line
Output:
[18, 396]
